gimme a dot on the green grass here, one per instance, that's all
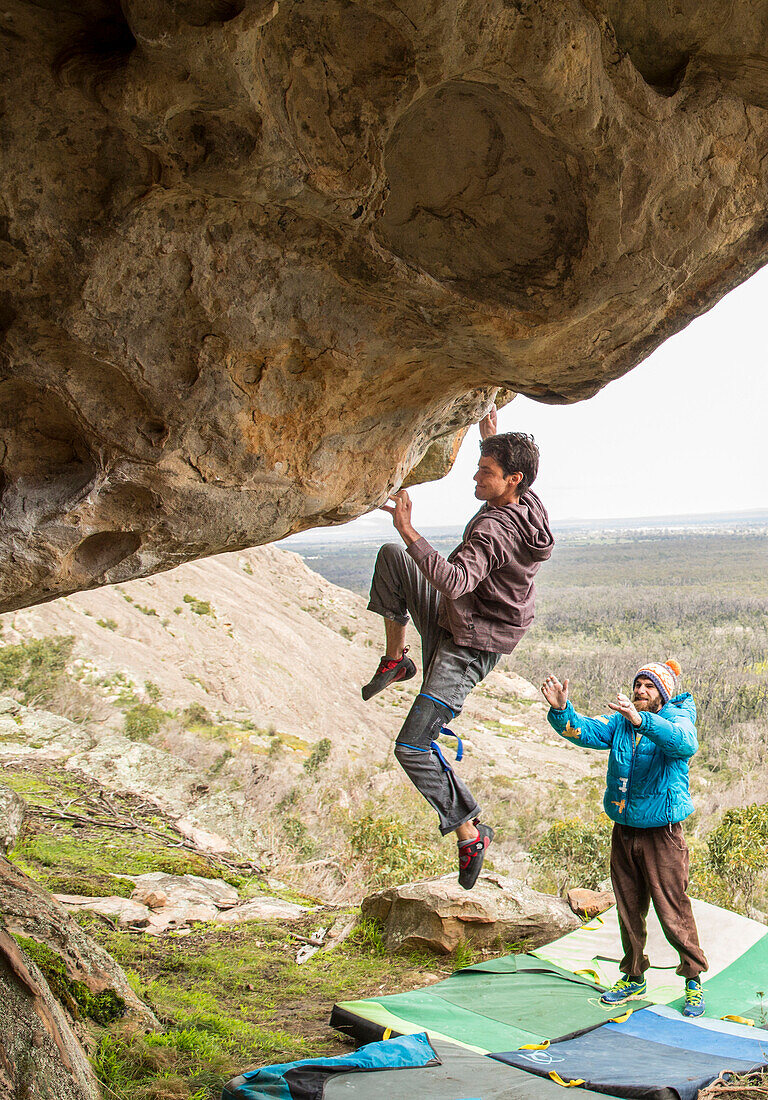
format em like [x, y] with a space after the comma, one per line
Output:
[235, 998]
[104, 852]
[43, 785]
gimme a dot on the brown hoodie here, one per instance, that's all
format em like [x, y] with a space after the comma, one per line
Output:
[487, 581]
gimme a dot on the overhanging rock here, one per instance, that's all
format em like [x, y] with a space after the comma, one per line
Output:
[258, 255]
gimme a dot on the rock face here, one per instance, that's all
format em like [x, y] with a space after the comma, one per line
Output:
[11, 817]
[438, 914]
[39, 1055]
[29, 910]
[258, 255]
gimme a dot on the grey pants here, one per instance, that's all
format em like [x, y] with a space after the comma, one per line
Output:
[400, 590]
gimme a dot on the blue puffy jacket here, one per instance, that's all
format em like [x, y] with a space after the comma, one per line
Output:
[647, 783]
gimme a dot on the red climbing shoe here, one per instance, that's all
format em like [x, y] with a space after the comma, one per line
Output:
[391, 670]
[471, 856]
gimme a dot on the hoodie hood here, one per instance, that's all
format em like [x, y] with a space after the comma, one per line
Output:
[530, 520]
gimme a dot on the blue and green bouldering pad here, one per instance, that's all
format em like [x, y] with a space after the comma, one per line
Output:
[460, 1039]
[654, 1054]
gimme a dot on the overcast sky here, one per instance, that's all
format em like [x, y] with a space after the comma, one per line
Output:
[685, 432]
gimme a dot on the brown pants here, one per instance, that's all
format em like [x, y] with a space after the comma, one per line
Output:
[652, 865]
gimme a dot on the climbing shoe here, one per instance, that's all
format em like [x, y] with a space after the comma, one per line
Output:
[391, 670]
[472, 854]
[625, 989]
[694, 998]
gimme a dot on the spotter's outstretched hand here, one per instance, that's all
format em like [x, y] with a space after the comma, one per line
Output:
[555, 693]
[625, 706]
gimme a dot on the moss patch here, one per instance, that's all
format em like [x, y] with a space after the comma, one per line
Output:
[96, 853]
[103, 1008]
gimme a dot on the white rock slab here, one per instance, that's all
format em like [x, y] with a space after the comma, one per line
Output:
[159, 890]
[123, 911]
[265, 908]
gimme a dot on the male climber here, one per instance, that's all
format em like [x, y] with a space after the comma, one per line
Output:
[469, 610]
[651, 738]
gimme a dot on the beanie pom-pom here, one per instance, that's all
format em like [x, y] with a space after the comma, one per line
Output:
[672, 663]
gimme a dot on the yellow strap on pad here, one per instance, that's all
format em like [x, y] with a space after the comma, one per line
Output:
[587, 973]
[566, 1084]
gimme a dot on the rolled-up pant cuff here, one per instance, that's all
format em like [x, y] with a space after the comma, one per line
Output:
[445, 829]
[385, 613]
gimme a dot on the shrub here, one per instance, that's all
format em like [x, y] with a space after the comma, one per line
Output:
[297, 835]
[199, 607]
[152, 691]
[196, 714]
[107, 624]
[392, 853]
[145, 610]
[36, 668]
[142, 721]
[574, 853]
[318, 756]
[737, 849]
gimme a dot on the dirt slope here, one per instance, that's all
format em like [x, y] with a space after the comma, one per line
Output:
[258, 636]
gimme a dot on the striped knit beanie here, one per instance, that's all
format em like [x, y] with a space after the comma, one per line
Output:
[663, 676]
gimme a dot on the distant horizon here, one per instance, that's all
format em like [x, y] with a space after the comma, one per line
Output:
[380, 527]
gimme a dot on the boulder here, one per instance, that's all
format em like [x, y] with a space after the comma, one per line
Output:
[162, 903]
[438, 914]
[159, 890]
[123, 911]
[12, 809]
[40, 1055]
[172, 918]
[38, 733]
[203, 840]
[590, 903]
[360, 220]
[263, 908]
[29, 910]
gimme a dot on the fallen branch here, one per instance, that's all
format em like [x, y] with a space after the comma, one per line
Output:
[126, 823]
[724, 1084]
[79, 819]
